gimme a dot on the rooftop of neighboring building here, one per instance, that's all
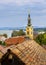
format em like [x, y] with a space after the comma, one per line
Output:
[14, 40]
[29, 52]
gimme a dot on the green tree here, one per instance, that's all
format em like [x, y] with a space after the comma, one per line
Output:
[44, 39]
[2, 43]
[18, 33]
[21, 32]
[14, 33]
[41, 39]
[5, 35]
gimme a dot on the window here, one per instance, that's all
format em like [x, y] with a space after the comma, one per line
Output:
[28, 32]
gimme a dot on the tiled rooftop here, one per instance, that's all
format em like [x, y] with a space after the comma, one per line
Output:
[30, 52]
[14, 40]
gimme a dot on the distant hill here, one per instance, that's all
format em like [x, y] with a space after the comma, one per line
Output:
[39, 29]
[24, 28]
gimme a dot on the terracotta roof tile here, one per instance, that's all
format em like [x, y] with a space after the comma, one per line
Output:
[14, 40]
[1, 47]
[30, 53]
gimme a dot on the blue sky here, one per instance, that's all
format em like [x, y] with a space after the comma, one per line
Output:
[14, 13]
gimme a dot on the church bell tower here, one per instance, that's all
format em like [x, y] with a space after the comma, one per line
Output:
[29, 28]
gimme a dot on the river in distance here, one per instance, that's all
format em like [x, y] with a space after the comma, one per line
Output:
[8, 32]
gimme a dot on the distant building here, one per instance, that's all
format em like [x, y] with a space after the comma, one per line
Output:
[2, 38]
[41, 32]
[29, 28]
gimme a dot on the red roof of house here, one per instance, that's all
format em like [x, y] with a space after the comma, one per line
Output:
[14, 40]
[1, 47]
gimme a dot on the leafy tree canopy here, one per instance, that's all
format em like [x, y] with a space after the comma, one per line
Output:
[41, 39]
[5, 35]
[2, 43]
[18, 33]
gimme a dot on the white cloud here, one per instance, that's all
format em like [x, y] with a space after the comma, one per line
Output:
[21, 2]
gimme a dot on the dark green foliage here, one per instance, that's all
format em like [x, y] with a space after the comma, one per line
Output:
[41, 39]
[2, 43]
[18, 33]
[14, 33]
[5, 35]
[21, 32]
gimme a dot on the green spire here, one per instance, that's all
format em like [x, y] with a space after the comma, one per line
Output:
[29, 20]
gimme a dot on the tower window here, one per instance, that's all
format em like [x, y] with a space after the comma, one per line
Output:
[27, 28]
[28, 32]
